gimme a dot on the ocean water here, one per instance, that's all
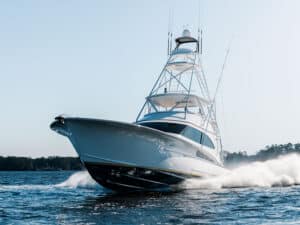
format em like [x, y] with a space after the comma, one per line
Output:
[257, 193]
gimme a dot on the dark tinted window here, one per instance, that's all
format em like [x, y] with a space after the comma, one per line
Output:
[186, 131]
[206, 141]
[166, 127]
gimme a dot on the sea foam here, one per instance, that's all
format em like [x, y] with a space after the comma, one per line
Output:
[282, 171]
[78, 179]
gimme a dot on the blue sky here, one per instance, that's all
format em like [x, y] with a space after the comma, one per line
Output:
[100, 59]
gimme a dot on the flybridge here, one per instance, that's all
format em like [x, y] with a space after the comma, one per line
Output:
[181, 86]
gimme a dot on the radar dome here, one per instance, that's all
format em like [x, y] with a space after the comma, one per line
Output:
[186, 33]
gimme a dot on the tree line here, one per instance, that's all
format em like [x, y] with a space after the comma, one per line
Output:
[12, 163]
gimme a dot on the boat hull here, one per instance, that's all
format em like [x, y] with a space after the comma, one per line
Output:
[124, 156]
[127, 178]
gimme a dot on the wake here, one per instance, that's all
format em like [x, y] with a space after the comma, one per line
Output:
[80, 179]
[280, 172]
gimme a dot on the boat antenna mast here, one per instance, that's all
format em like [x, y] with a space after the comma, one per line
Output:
[200, 33]
[200, 37]
[170, 32]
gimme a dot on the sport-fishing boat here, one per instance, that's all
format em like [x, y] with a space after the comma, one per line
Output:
[175, 135]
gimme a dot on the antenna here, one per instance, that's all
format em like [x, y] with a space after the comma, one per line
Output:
[171, 32]
[200, 33]
[168, 50]
[222, 71]
[201, 42]
[171, 37]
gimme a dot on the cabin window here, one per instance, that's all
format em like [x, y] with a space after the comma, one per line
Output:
[186, 131]
[206, 141]
[166, 127]
[192, 134]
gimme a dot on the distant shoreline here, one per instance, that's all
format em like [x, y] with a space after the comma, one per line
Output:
[52, 163]
[58, 163]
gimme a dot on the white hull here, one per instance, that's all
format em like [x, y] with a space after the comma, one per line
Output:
[109, 143]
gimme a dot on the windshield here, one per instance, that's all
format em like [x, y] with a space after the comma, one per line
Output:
[186, 131]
